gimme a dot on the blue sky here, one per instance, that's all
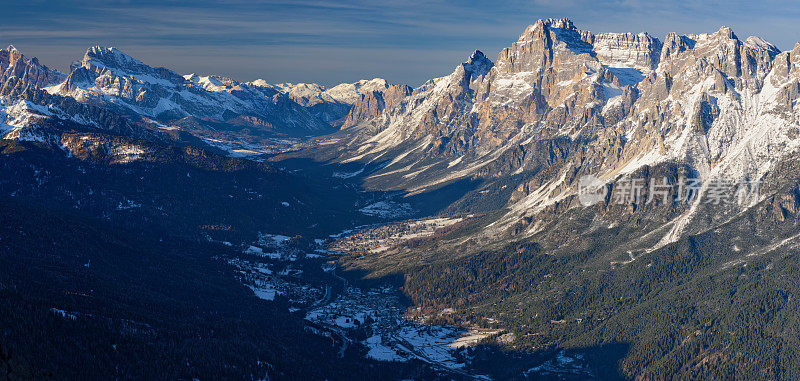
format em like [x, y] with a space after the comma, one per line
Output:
[330, 41]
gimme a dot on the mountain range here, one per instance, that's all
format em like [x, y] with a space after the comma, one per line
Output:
[502, 150]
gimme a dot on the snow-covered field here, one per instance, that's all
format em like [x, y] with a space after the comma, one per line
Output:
[394, 338]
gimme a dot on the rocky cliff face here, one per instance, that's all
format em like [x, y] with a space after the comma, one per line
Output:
[219, 113]
[108, 77]
[14, 64]
[371, 104]
[561, 103]
[344, 104]
[111, 92]
[30, 113]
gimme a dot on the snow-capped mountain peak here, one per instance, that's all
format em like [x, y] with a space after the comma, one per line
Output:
[111, 55]
[603, 104]
[14, 64]
[211, 82]
[478, 64]
[312, 93]
[756, 42]
[330, 104]
[108, 76]
[100, 59]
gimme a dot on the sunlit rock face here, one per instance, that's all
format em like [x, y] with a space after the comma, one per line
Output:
[562, 102]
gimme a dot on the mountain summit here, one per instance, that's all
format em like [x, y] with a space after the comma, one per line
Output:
[14, 64]
[561, 103]
[586, 205]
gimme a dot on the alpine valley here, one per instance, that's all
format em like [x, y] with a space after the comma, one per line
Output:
[164, 226]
